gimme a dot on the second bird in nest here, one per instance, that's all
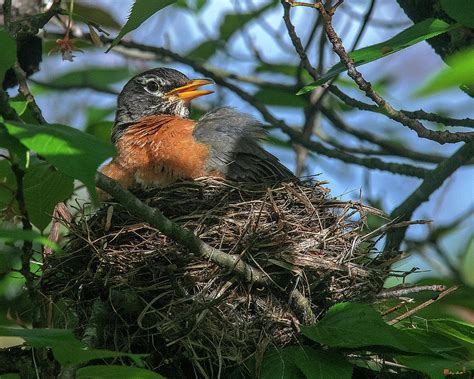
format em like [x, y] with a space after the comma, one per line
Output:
[157, 143]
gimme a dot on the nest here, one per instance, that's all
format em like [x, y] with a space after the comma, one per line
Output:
[131, 288]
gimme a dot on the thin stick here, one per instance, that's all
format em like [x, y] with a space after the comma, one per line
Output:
[421, 306]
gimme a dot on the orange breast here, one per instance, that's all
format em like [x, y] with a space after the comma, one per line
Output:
[157, 151]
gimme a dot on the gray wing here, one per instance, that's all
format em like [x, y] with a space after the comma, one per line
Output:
[234, 150]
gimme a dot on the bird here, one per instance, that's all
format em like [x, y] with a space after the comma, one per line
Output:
[157, 142]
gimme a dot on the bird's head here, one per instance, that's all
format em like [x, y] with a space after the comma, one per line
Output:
[154, 92]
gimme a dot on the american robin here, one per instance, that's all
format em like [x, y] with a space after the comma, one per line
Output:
[157, 143]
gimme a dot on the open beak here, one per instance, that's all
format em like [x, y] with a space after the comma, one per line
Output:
[190, 91]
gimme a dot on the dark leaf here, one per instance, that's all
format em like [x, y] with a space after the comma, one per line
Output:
[67, 349]
[304, 362]
[8, 55]
[44, 187]
[435, 367]
[351, 325]
[115, 371]
[7, 183]
[460, 10]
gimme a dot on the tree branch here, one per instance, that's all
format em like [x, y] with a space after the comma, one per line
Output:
[366, 87]
[430, 184]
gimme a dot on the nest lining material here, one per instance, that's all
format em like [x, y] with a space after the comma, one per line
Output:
[124, 278]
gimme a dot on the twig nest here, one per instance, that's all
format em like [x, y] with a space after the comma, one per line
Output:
[134, 289]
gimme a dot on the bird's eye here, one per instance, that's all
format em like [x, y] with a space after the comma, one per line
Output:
[152, 86]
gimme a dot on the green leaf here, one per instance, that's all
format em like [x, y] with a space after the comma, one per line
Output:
[460, 72]
[44, 187]
[298, 362]
[19, 104]
[18, 152]
[281, 98]
[204, 50]
[235, 21]
[460, 10]
[99, 78]
[8, 55]
[115, 371]
[278, 68]
[101, 130]
[458, 330]
[467, 262]
[67, 349]
[416, 33]
[95, 14]
[141, 11]
[95, 114]
[351, 325]
[10, 376]
[435, 367]
[13, 235]
[74, 153]
[7, 183]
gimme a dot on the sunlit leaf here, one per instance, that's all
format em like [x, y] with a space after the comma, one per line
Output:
[416, 33]
[19, 104]
[116, 371]
[141, 11]
[460, 72]
[74, 153]
[8, 55]
[460, 10]
[43, 188]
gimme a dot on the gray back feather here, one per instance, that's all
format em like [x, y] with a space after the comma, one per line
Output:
[234, 150]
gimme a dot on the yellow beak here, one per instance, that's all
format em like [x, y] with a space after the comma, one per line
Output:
[190, 91]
